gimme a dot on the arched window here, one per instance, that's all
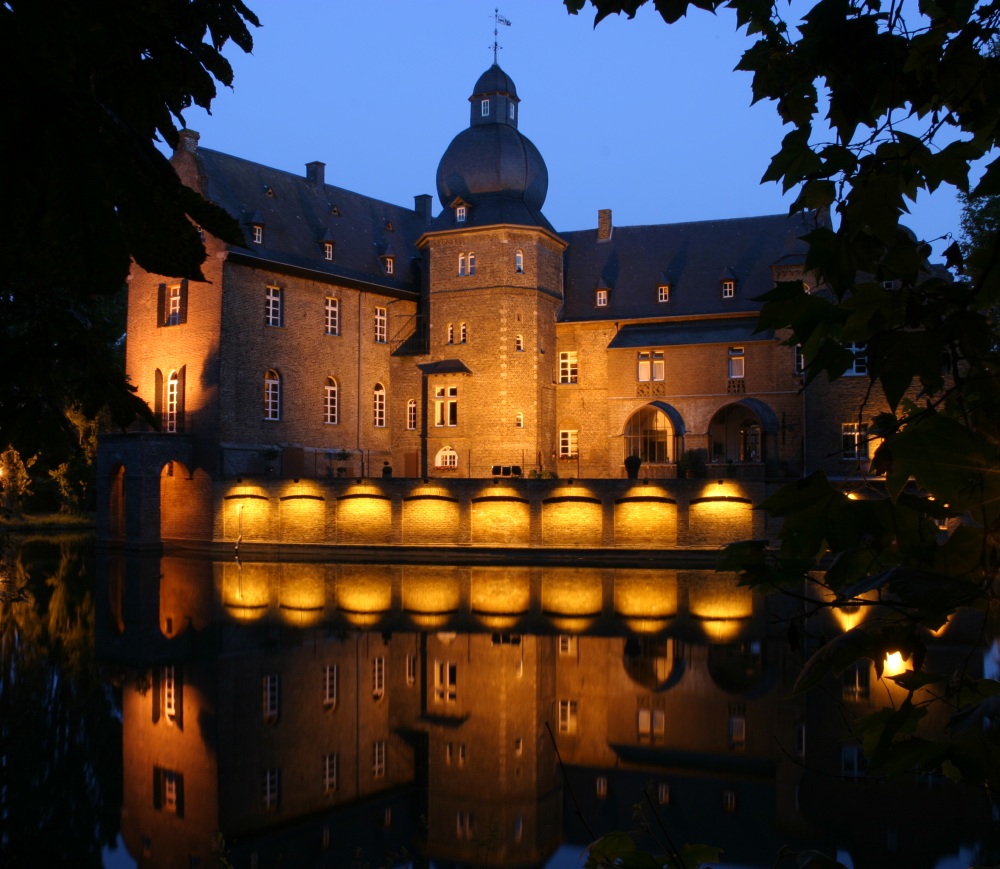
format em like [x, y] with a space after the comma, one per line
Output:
[519, 343]
[519, 420]
[472, 263]
[446, 458]
[330, 414]
[170, 409]
[463, 334]
[461, 265]
[411, 414]
[451, 333]
[272, 395]
[519, 262]
[649, 435]
[378, 406]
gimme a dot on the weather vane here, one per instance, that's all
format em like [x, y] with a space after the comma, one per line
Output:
[498, 19]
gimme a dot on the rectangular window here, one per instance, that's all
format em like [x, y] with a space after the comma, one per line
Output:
[652, 724]
[737, 731]
[800, 359]
[269, 700]
[445, 406]
[601, 787]
[729, 800]
[378, 759]
[272, 309]
[332, 316]
[860, 364]
[174, 305]
[258, 233]
[460, 214]
[170, 408]
[568, 444]
[484, 108]
[567, 645]
[169, 693]
[737, 363]
[378, 677]
[411, 414]
[390, 265]
[411, 669]
[269, 788]
[445, 681]
[601, 299]
[328, 250]
[854, 441]
[567, 716]
[568, 371]
[663, 793]
[380, 325]
[329, 773]
[330, 685]
[855, 682]
[645, 368]
[663, 293]
[659, 366]
[728, 289]
[168, 791]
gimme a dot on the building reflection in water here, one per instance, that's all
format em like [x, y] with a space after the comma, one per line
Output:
[314, 714]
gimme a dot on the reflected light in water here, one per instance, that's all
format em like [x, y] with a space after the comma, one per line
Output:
[572, 592]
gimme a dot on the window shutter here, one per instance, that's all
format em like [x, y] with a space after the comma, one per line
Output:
[184, 301]
[161, 305]
[157, 788]
[180, 396]
[179, 784]
[157, 684]
[179, 701]
[158, 396]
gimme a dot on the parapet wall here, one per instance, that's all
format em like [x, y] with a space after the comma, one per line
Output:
[584, 514]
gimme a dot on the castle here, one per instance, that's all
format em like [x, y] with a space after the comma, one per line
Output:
[351, 336]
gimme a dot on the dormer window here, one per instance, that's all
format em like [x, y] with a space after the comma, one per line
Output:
[460, 213]
[510, 110]
[390, 264]
[388, 226]
[258, 233]
[328, 250]
[485, 108]
[663, 293]
[601, 299]
[728, 288]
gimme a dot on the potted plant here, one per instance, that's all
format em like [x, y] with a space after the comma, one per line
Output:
[342, 456]
[691, 464]
[270, 456]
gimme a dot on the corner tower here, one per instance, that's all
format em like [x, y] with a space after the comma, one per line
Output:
[495, 285]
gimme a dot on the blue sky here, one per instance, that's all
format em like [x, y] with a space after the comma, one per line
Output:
[648, 120]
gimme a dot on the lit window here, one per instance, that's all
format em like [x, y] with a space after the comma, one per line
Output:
[378, 406]
[484, 108]
[332, 318]
[737, 363]
[390, 265]
[381, 325]
[567, 367]
[519, 420]
[568, 444]
[378, 759]
[663, 293]
[411, 414]
[328, 250]
[411, 669]
[567, 716]
[258, 233]
[601, 299]
[378, 678]
[269, 788]
[272, 395]
[269, 699]
[854, 441]
[472, 263]
[272, 306]
[645, 367]
[446, 458]
[860, 363]
[171, 403]
[461, 265]
[330, 402]
[445, 682]
[330, 685]
[446, 405]
[519, 343]
[519, 262]
[460, 214]
[728, 289]
[329, 773]
[174, 305]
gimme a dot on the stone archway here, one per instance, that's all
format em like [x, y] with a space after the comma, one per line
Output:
[738, 433]
[653, 432]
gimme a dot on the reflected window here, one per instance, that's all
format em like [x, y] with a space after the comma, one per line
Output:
[855, 682]
[567, 645]
[271, 781]
[329, 773]
[411, 669]
[378, 678]
[652, 725]
[169, 693]
[270, 698]
[378, 759]
[601, 787]
[737, 732]
[567, 716]
[445, 682]
[330, 685]
[168, 791]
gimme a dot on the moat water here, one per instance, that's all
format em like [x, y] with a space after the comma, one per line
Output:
[189, 711]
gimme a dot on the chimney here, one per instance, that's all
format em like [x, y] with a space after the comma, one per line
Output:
[188, 141]
[315, 173]
[604, 224]
[422, 205]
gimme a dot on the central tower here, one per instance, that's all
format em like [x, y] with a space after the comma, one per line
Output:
[495, 284]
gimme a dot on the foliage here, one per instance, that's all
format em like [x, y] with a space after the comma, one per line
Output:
[75, 478]
[911, 95]
[15, 482]
[98, 84]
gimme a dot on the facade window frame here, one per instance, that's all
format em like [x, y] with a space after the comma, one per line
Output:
[446, 458]
[737, 363]
[445, 406]
[568, 367]
[445, 681]
[569, 443]
[378, 406]
[728, 288]
[273, 307]
[854, 441]
[601, 299]
[663, 293]
[568, 715]
[381, 324]
[411, 414]
[272, 395]
[331, 404]
[330, 680]
[331, 313]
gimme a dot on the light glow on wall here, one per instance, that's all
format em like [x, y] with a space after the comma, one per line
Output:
[246, 590]
[429, 590]
[572, 591]
[650, 594]
[723, 607]
[500, 591]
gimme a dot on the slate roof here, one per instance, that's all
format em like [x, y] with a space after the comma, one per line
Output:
[299, 216]
[672, 334]
[693, 258]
